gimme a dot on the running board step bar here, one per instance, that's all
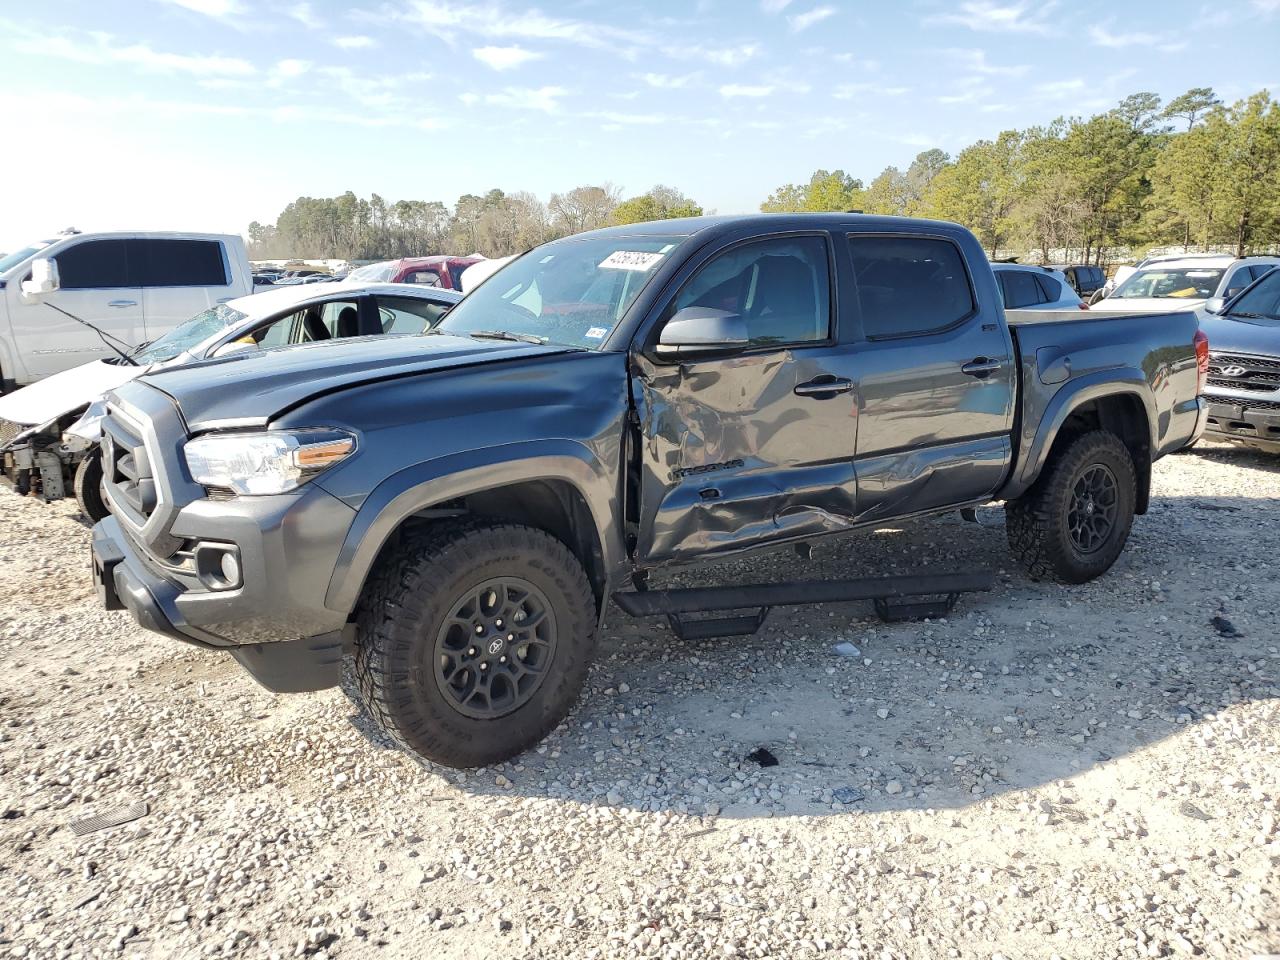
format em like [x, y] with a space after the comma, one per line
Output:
[887, 593]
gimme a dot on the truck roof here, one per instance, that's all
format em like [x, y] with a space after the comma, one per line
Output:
[688, 226]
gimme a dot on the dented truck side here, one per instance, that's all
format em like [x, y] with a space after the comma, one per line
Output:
[500, 486]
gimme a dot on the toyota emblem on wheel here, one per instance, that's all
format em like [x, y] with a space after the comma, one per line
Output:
[495, 645]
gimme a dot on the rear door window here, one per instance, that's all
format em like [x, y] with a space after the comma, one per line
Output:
[94, 265]
[427, 278]
[177, 263]
[908, 286]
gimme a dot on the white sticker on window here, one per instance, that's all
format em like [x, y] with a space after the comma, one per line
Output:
[630, 260]
[597, 333]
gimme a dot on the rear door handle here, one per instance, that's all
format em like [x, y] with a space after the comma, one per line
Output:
[824, 387]
[981, 367]
[123, 303]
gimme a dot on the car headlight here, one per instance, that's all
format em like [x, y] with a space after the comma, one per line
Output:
[266, 463]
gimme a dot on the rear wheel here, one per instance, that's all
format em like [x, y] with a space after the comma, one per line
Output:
[88, 486]
[1074, 521]
[474, 640]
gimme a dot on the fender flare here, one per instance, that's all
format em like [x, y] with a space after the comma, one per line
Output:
[432, 482]
[1099, 385]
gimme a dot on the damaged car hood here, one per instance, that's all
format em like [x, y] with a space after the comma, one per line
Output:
[250, 389]
[65, 392]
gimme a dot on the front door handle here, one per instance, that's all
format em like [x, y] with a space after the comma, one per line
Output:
[824, 387]
[981, 368]
[123, 303]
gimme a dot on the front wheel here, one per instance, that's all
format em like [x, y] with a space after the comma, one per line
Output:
[1074, 521]
[473, 640]
[88, 486]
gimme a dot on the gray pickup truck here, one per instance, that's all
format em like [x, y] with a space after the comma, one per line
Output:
[457, 509]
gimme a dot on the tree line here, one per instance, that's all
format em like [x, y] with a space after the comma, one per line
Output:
[495, 224]
[1194, 172]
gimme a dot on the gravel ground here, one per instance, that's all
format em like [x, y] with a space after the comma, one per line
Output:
[1075, 772]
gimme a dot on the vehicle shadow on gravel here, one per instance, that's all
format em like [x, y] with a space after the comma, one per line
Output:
[1230, 454]
[1018, 688]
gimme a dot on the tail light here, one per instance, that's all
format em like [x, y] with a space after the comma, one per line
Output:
[1201, 342]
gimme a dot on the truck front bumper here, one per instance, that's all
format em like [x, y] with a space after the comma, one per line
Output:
[1244, 421]
[283, 648]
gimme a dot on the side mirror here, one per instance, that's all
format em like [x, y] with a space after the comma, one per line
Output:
[1215, 304]
[701, 331]
[44, 278]
[232, 348]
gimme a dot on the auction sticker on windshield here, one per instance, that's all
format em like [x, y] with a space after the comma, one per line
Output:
[631, 260]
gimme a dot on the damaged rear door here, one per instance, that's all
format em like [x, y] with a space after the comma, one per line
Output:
[936, 376]
[758, 446]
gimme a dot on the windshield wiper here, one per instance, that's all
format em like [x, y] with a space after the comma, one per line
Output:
[507, 335]
[1253, 316]
[102, 335]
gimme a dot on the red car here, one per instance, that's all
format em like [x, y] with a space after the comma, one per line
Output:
[438, 271]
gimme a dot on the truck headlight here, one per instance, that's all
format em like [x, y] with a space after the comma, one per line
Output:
[266, 463]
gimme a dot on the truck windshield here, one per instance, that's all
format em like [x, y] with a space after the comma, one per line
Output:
[1191, 283]
[568, 292]
[189, 334]
[1262, 302]
[18, 256]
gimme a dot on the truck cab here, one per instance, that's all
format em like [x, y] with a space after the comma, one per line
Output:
[128, 288]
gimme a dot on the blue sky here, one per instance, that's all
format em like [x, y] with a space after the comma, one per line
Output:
[206, 114]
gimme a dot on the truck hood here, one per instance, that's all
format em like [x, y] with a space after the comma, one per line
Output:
[1146, 305]
[1237, 335]
[65, 392]
[251, 389]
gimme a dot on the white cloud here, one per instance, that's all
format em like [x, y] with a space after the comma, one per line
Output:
[210, 8]
[851, 91]
[504, 58]
[303, 13]
[1060, 88]
[730, 90]
[288, 69]
[102, 49]
[1267, 7]
[354, 43]
[733, 55]
[774, 6]
[666, 81]
[1107, 35]
[803, 21]
[545, 99]
[992, 16]
[618, 119]
[493, 21]
[976, 61]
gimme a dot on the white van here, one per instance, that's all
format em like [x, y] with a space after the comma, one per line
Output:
[132, 287]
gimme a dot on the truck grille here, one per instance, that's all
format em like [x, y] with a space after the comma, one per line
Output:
[126, 467]
[1237, 372]
[1247, 403]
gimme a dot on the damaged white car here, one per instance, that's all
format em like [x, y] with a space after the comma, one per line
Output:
[49, 431]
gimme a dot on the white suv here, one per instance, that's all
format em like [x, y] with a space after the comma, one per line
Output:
[1024, 287]
[128, 288]
[1184, 282]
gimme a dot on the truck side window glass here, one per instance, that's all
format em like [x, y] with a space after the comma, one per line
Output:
[426, 277]
[909, 285]
[780, 287]
[177, 263]
[94, 265]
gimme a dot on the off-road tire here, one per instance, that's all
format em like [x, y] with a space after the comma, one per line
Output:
[88, 487]
[1037, 525]
[404, 607]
